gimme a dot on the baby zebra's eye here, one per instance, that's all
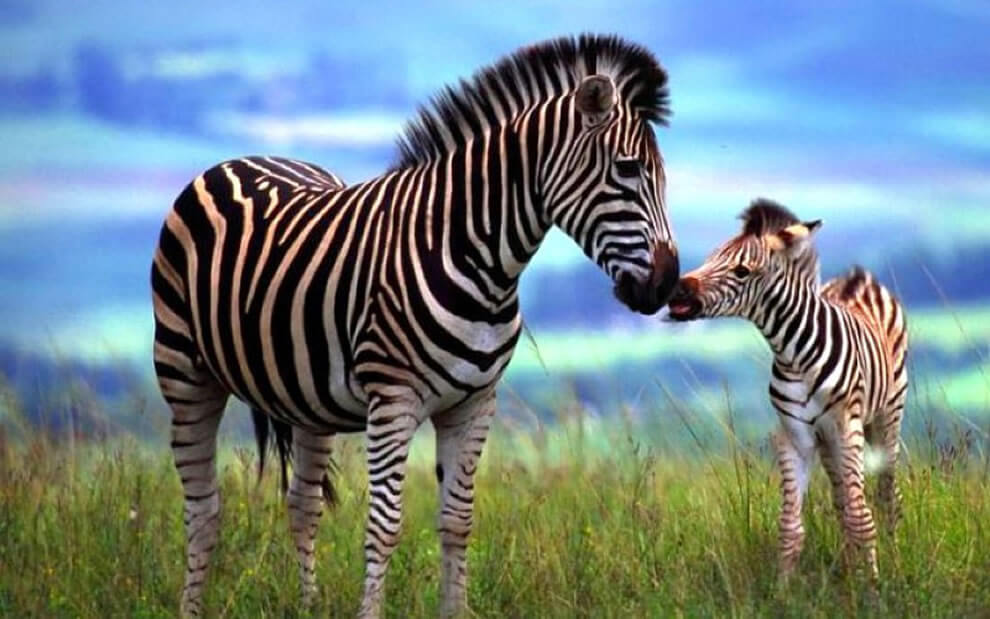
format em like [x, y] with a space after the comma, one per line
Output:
[628, 168]
[740, 271]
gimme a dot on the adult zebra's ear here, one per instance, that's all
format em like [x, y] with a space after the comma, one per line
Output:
[794, 238]
[595, 98]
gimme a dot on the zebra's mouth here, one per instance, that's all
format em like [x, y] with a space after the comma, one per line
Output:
[684, 303]
[684, 309]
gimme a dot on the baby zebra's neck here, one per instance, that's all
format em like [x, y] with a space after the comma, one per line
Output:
[796, 322]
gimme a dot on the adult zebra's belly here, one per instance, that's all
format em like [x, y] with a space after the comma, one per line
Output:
[443, 362]
[271, 338]
[315, 386]
[280, 370]
[293, 365]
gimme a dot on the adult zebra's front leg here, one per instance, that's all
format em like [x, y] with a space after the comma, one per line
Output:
[392, 420]
[460, 435]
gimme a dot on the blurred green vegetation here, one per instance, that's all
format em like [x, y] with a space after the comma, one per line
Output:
[948, 331]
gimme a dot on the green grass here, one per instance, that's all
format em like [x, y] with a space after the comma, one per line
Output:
[563, 528]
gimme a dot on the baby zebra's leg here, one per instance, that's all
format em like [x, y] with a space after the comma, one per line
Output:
[857, 519]
[793, 459]
[889, 439]
[828, 452]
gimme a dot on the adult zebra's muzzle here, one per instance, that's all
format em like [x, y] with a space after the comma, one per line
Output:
[648, 295]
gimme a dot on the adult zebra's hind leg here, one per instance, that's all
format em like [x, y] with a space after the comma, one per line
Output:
[197, 401]
[309, 489]
[460, 436]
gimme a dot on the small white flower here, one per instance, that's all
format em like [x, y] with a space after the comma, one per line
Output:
[131, 515]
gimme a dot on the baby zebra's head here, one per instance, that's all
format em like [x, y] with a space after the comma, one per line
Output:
[764, 265]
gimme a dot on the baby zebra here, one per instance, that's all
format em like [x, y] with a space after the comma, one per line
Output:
[838, 377]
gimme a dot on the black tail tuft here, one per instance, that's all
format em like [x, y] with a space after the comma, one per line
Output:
[261, 429]
[266, 432]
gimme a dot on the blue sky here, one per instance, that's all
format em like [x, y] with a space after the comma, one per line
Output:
[873, 116]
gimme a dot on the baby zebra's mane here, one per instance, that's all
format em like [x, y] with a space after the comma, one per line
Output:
[766, 217]
[498, 93]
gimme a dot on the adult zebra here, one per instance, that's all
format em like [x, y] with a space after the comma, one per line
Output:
[839, 374]
[394, 301]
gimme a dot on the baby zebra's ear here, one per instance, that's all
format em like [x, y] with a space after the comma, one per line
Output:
[794, 238]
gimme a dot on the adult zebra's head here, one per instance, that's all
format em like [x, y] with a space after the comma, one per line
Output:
[605, 188]
[770, 260]
[560, 133]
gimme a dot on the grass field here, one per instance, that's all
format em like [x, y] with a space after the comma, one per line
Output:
[564, 527]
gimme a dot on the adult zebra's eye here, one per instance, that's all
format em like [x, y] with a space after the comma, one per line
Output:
[740, 271]
[628, 168]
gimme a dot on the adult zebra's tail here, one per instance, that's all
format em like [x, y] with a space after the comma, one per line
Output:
[273, 434]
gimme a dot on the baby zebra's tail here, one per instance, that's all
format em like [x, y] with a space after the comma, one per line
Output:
[861, 293]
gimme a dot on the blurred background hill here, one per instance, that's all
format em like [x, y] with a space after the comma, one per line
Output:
[874, 117]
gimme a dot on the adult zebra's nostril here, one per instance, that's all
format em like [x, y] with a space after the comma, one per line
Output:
[648, 294]
[666, 271]
[634, 294]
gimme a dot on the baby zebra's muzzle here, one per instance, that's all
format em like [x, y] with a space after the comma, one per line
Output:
[685, 303]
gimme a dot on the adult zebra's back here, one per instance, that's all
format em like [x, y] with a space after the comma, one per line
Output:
[383, 304]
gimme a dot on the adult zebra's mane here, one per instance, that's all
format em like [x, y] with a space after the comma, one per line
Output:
[498, 93]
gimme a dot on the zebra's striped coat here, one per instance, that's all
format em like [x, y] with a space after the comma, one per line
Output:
[380, 305]
[838, 374]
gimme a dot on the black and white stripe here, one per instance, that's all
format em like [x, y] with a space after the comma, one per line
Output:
[839, 375]
[377, 306]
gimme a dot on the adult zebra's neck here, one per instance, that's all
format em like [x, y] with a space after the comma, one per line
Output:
[483, 218]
